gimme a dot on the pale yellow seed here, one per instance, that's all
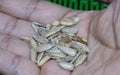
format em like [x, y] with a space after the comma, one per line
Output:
[76, 20]
[33, 43]
[77, 55]
[54, 31]
[70, 31]
[48, 27]
[44, 47]
[56, 58]
[66, 22]
[43, 60]
[40, 56]
[65, 65]
[27, 39]
[67, 45]
[85, 39]
[80, 59]
[56, 23]
[39, 44]
[54, 36]
[68, 58]
[67, 50]
[33, 55]
[35, 26]
[80, 46]
[60, 55]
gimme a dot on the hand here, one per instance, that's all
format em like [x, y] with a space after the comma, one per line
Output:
[100, 27]
[104, 43]
[16, 17]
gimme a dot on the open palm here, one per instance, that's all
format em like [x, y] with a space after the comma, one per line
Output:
[100, 27]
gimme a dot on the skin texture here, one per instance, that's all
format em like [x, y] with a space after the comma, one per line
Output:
[101, 28]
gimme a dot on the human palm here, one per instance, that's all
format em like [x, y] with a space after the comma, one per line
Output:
[99, 27]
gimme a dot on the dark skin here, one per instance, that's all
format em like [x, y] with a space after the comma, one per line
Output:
[101, 28]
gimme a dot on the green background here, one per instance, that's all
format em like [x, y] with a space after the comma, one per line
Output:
[81, 4]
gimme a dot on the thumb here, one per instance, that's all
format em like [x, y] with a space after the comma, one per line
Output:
[12, 64]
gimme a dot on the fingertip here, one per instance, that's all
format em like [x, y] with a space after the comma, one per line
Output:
[52, 68]
[26, 67]
[12, 64]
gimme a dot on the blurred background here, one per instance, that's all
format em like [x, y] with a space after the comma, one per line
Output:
[1, 74]
[80, 5]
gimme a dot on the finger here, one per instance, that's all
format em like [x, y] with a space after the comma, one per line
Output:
[14, 45]
[33, 10]
[108, 22]
[12, 64]
[52, 68]
[18, 27]
[24, 28]
[15, 27]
